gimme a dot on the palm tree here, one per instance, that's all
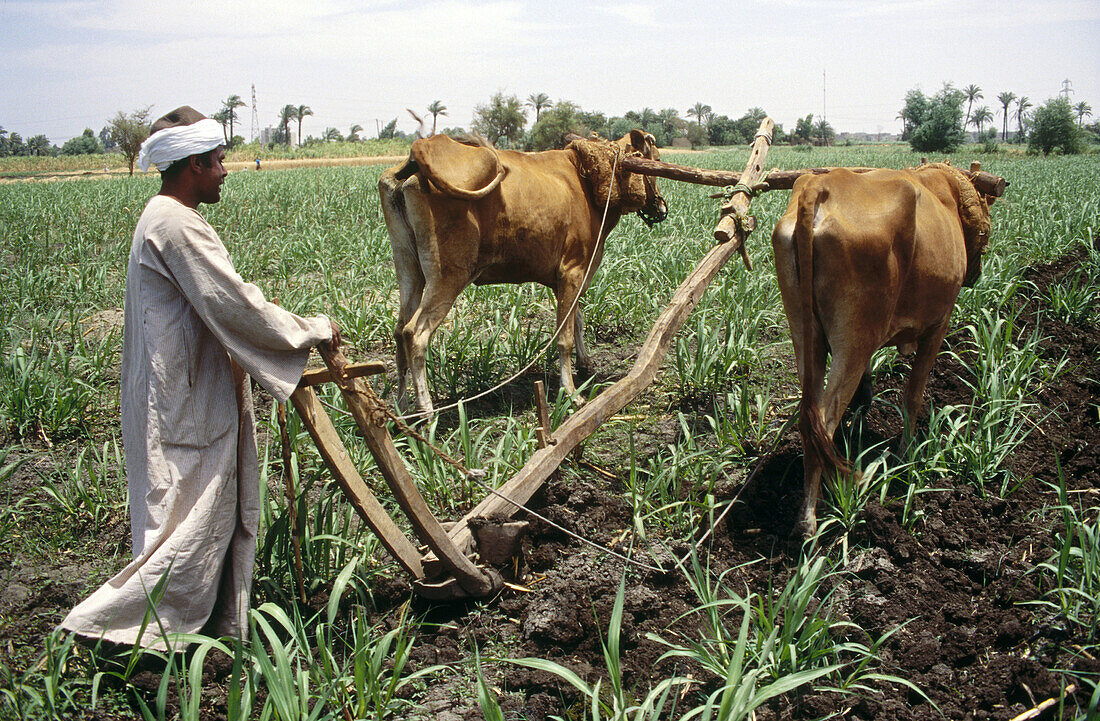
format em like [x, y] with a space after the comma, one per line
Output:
[1005, 99]
[229, 107]
[223, 119]
[540, 102]
[299, 114]
[972, 93]
[702, 113]
[353, 133]
[38, 145]
[671, 122]
[648, 118]
[981, 116]
[1082, 109]
[288, 113]
[332, 135]
[436, 109]
[1022, 105]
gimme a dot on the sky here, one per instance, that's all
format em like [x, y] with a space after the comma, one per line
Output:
[70, 64]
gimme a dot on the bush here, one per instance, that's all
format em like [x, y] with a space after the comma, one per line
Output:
[1053, 129]
[988, 139]
[940, 130]
[86, 144]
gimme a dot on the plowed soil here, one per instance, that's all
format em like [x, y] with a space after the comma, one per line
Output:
[955, 581]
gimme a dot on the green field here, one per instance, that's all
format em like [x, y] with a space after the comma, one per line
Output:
[314, 239]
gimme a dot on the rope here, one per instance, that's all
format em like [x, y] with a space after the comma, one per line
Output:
[587, 276]
[380, 413]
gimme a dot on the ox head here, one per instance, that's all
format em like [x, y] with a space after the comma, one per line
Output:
[973, 206]
[627, 192]
[654, 209]
[974, 214]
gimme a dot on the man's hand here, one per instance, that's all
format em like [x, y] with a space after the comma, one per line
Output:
[336, 340]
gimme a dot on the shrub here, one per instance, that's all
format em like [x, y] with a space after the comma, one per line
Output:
[940, 129]
[1053, 129]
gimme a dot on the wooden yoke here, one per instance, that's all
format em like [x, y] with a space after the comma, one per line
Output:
[992, 185]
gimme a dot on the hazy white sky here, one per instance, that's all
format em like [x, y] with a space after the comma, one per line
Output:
[70, 64]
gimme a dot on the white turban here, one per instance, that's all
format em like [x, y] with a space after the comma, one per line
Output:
[166, 146]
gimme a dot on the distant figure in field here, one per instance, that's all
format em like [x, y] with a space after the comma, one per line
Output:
[257, 163]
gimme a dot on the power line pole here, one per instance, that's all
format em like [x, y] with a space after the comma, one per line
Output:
[1066, 89]
[255, 115]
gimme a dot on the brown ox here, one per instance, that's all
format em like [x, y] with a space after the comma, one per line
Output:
[866, 261]
[460, 214]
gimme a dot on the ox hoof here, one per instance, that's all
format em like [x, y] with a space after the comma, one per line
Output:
[805, 529]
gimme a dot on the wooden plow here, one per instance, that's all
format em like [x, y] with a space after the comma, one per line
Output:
[446, 571]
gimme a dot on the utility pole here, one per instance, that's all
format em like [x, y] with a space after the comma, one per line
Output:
[255, 115]
[1066, 89]
[824, 105]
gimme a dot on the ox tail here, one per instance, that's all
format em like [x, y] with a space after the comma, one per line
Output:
[812, 376]
[461, 193]
[422, 127]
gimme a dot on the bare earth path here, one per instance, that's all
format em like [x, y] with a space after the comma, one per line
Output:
[233, 167]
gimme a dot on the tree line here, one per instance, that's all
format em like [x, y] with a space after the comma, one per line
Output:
[123, 133]
[503, 121]
[937, 123]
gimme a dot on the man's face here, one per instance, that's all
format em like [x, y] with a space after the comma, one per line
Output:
[212, 176]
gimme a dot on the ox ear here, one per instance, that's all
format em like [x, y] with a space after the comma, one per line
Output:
[638, 140]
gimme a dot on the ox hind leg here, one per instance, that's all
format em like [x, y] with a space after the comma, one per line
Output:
[410, 278]
[410, 286]
[438, 296]
[847, 372]
[584, 361]
[928, 347]
[411, 291]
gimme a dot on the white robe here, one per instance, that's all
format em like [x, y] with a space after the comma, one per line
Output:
[191, 325]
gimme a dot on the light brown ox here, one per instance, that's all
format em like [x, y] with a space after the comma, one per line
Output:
[460, 214]
[866, 261]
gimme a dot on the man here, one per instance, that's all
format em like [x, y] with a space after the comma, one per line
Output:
[193, 330]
